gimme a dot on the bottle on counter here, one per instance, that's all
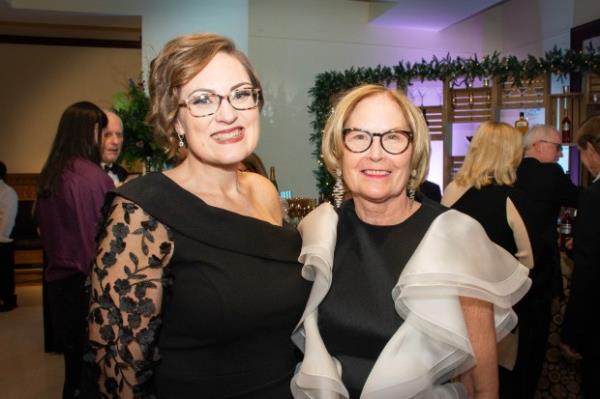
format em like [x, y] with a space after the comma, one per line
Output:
[565, 228]
[522, 124]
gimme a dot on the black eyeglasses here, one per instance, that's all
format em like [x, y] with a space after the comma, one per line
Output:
[393, 141]
[557, 145]
[204, 103]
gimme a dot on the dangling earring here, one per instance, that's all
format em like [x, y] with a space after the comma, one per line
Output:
[411, 188]
[181, 143]
[338, 189]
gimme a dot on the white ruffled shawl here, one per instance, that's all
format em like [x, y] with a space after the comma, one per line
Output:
[455, 258]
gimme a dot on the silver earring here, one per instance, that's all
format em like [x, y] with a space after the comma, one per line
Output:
[411, 188]
[338, 189]
[411, 193]
[181, 144]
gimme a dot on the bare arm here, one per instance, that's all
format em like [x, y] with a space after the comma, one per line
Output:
[482, 379]
[515, 221]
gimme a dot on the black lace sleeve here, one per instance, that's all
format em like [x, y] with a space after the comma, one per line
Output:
[126, 295]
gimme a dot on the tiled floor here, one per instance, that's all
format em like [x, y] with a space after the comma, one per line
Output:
[26, 371]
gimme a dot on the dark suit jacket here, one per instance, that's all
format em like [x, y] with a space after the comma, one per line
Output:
[546, 188]
[577, 329]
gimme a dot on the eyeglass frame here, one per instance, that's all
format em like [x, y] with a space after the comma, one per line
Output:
[558, 146]
[406, 133]
[254, 90]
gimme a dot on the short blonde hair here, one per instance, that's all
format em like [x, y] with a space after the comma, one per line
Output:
[332, 145]
[178, 62]
[589, 132]
[494, 154]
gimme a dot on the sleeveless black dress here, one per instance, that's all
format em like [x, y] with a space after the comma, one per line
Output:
[487, 205]
[231, 295]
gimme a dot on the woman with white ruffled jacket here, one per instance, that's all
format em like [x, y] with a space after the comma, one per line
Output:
[407, 295]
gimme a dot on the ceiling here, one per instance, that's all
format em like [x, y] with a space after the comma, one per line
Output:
[432, 15]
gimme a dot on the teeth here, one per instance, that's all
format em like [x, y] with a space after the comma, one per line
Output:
[377, 172]
[229, 135]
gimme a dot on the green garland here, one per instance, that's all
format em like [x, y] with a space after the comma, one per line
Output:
[138, 141]
[460, 70]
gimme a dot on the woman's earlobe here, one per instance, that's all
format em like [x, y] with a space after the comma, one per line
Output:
[178, 128]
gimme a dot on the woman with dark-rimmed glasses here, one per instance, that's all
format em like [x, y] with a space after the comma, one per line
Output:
[196, 286]
[407, 294]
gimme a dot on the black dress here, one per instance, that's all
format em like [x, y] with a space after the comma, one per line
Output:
[208, 298]
[359, 308]
[487, 205]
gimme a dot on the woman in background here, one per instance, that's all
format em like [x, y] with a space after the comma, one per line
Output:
[483, 189]
[406, 294]
[196, 286]
[70, 196]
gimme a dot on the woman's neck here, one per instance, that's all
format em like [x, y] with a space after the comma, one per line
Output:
[206, 180]
[391, 212]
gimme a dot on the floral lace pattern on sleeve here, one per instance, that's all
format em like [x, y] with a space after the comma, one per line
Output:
[126, 295]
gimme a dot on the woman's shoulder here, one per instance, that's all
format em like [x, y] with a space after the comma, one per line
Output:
[85, 168]
[453, 192]
[82, 174]
[263, 192]
[259, 186]
[152, 187]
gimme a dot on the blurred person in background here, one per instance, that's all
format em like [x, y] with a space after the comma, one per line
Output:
[71, 192]
[483, 189]
[579, 335]
[9, 203]
[546, 188]
[111, 144]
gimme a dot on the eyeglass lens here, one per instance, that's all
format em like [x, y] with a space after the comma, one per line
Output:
[556, 145]
[205, 103]
[393, 141]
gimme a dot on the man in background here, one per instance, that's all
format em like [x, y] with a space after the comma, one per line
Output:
[111, 146]
[579, 335]
[547, 188]
[9, 202]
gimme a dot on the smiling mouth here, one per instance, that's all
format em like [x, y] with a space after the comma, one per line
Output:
[376, 172]
[226, 136]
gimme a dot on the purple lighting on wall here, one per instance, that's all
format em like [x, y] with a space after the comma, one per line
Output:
[427, 15]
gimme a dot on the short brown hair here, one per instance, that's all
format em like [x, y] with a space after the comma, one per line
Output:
[589, 132]
[178, 62]
[494, 154]
[333, 142]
